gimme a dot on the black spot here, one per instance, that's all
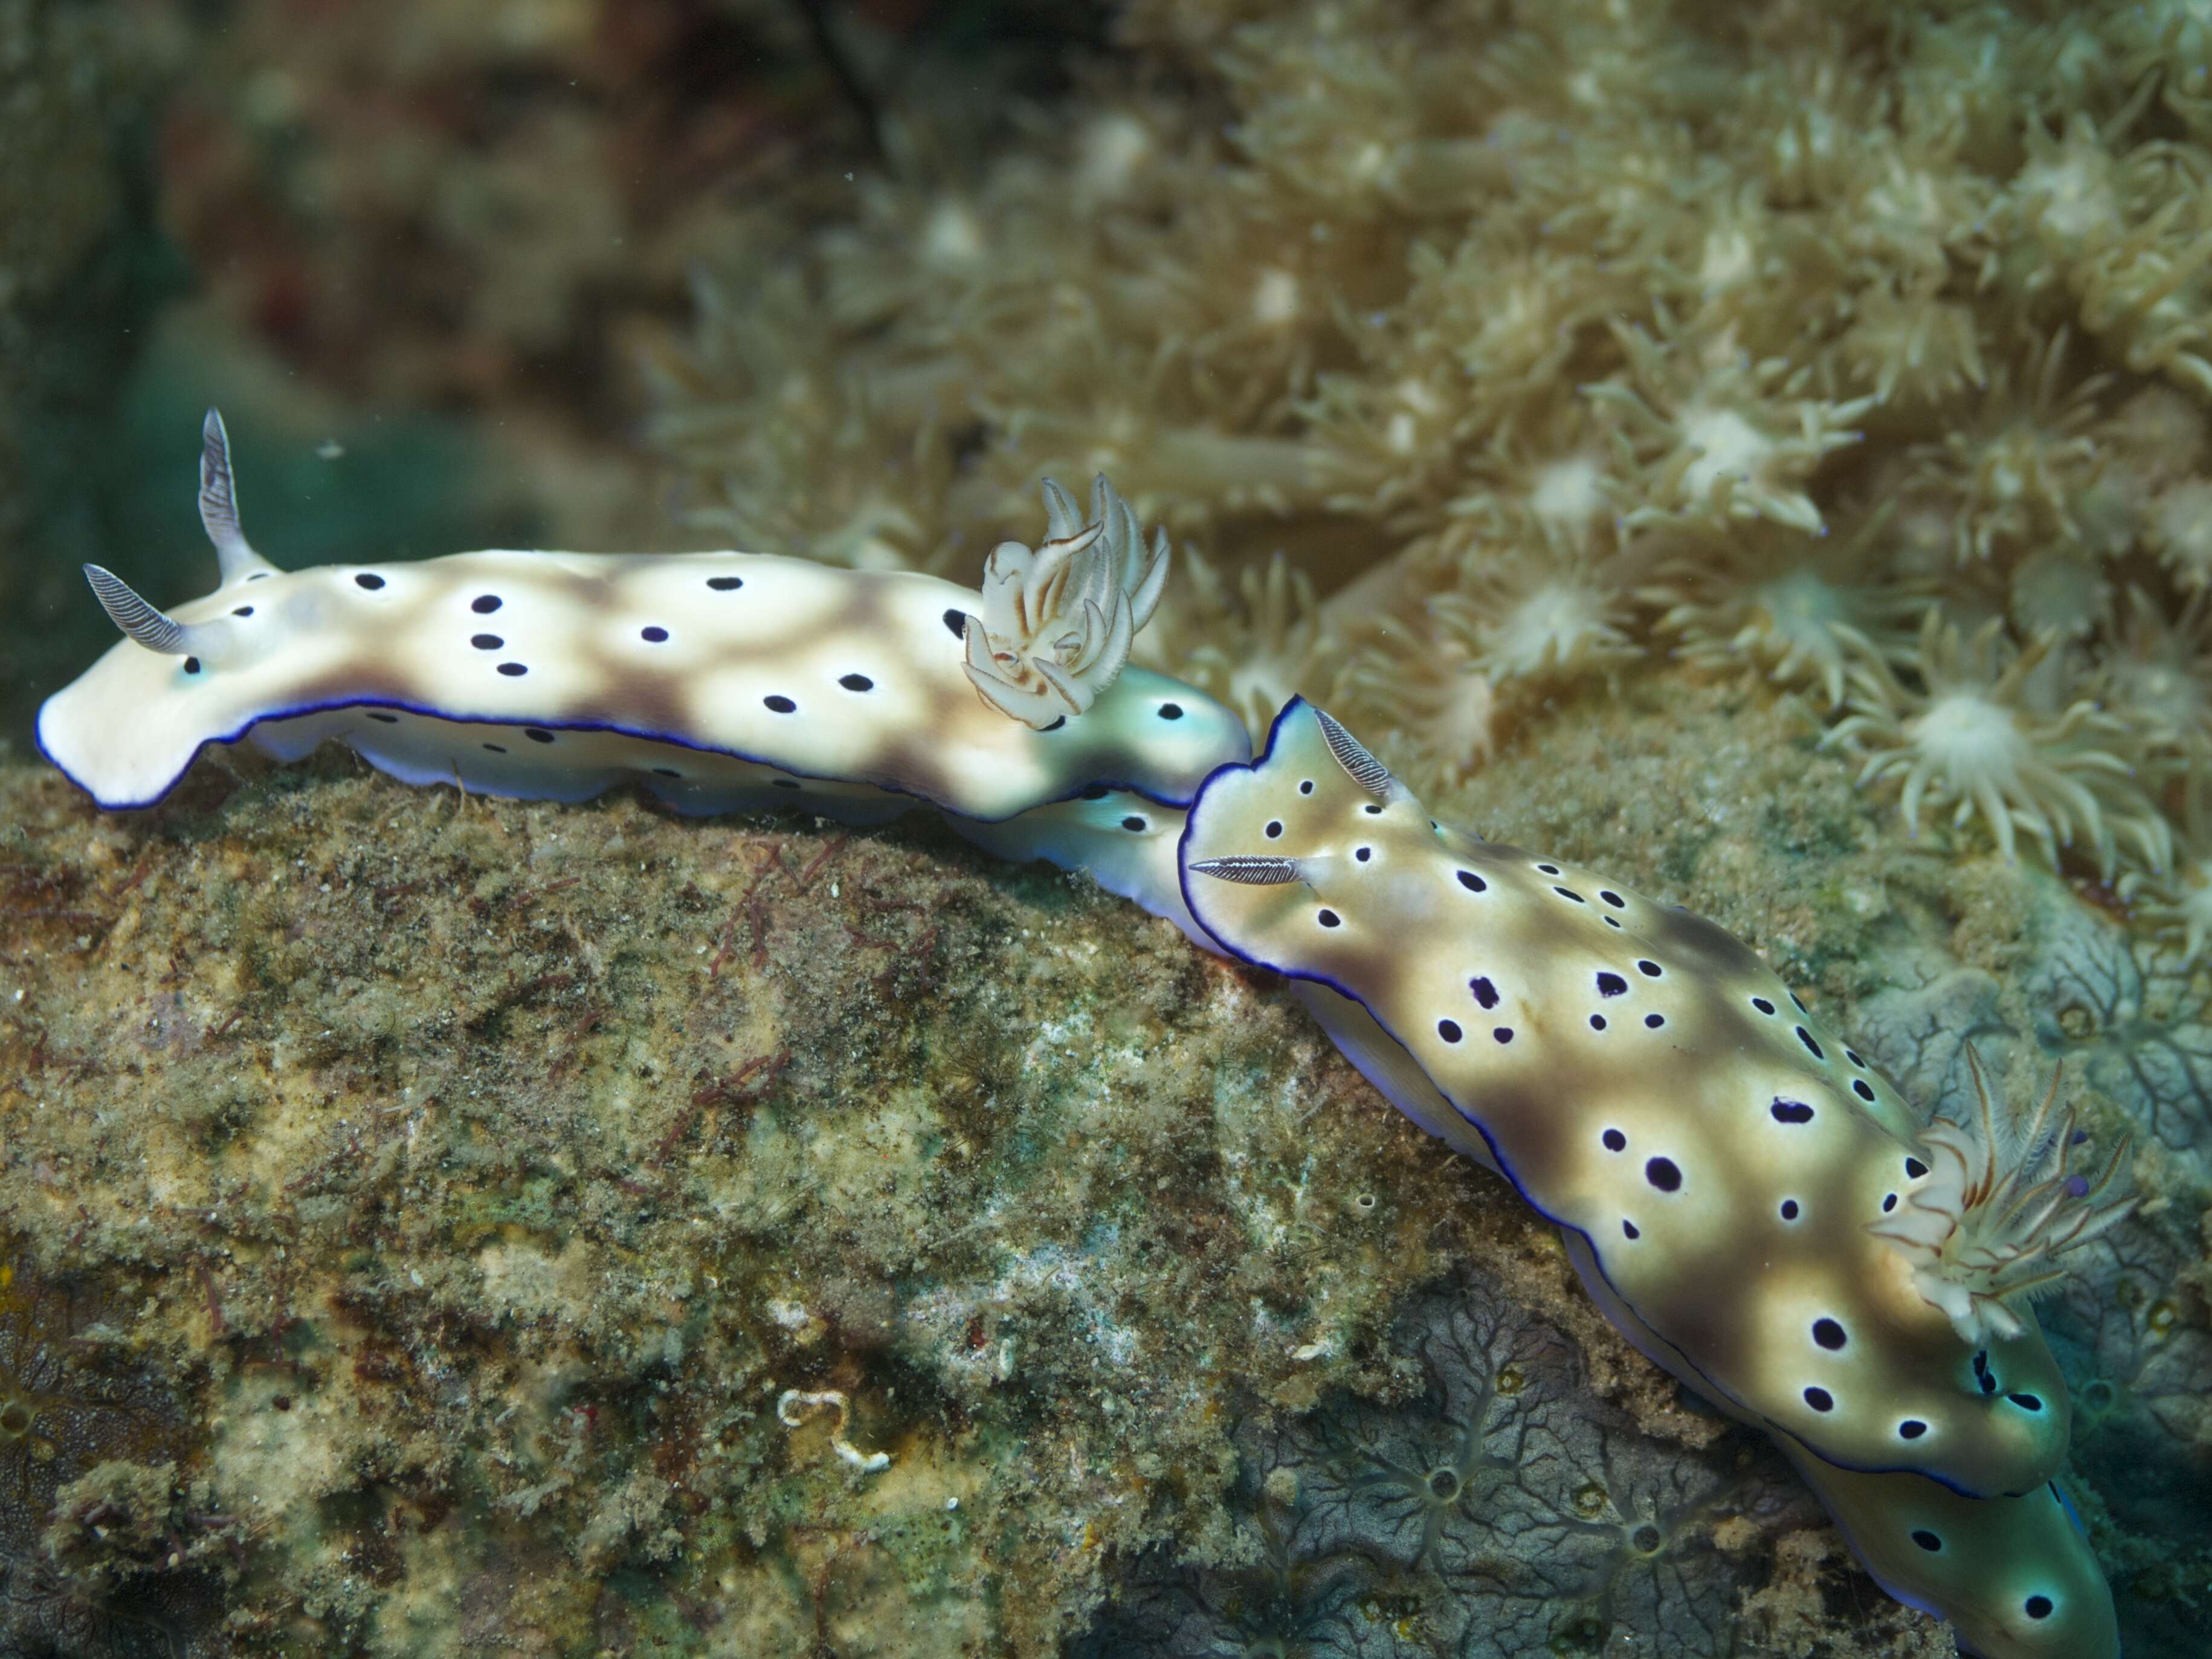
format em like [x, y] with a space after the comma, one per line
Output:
[1371, 808]
[666, 771]
[1828, 1334]
[1611, 985]
[1791, 1112]
[1613, 897]
[1485, 992]
[2037, 1607]
[387, 719]
[1662, 1174]
[1597, 1023]
[1859, 1088]
[192, 665]
[856, 683]
[780, 704]
[730, 585]
[1568, 893]
[1762, 1005]
[1609, 922]
[1653, 1021]
[1363, 854]
[1055, 725]
[1133, 823]
[1811, 1048]
[1629, 1228]
[1306, 788]
[1096, 792]
[512, 670]
[1852, 1055]
[537, 734]
[1800, 1001]
[495, 748]
[486, 642]
[786, 782]
[1329, 918]
[956, 623]
[1647, 967]
[371, 582]
[1274, 828]
[1614, 1141]
[1912, 1429]
[1549, 870]
[653, 635]
[1889, 1203]
[1472, 882]
[1914, 1169]
[1820, 1399]
[1927, 1539]
[1789, 1208]
[1170, 711]
[2026, 1402]
[243, 610]
[1504, 1033]
[485, 604]
[1449, 1030]
[258, 575]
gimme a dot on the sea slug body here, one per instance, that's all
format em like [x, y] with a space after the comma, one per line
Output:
[719, 682]
[1650, 1085]
[1640, 1076]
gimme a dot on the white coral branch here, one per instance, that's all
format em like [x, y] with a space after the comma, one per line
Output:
[1059, 618]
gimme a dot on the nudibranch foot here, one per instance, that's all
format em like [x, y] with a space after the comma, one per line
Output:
[1648, 1083]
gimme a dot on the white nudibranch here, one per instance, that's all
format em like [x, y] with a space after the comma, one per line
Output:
[1754, 1204]
[719, 682]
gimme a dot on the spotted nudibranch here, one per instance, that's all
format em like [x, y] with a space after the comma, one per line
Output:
[1755, 1205]
[719, 682]
[1746, 1196]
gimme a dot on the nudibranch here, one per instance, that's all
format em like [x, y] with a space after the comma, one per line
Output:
[720, 682]
[1749, 1198]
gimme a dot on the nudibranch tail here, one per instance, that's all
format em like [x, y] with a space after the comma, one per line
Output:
[1648, 1083]
[2001, 1209]
[2015, 1576]
[1059, 619]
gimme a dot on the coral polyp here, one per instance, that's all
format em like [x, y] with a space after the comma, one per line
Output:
[1804, 610]
[1975, 741]
[1525, 616]
[1719, 436]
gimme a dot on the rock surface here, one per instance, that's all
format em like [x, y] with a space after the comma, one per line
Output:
[454, 1224]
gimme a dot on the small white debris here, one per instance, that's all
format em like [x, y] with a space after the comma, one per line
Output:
[792, 1408]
